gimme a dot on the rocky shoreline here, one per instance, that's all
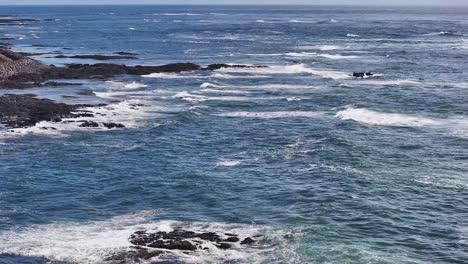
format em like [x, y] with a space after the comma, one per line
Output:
[18, 71]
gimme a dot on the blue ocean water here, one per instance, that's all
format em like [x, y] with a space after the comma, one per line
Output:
[327, 168]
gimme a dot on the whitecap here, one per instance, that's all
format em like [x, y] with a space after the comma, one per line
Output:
[272, 115]
[328, 56]
[289, 69]
[93, 241]
[352, 35]
[228, 163]
[370, 117]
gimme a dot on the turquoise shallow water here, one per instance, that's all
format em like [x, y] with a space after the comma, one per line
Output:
[330, 169]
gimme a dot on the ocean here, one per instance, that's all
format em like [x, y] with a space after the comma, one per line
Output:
[317, 165]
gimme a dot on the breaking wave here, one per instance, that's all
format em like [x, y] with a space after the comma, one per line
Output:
[94, 242]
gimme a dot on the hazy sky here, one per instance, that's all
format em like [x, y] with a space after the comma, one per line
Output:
[218, 2]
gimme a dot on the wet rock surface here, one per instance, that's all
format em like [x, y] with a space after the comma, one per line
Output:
[26, 110]
[19, 71]
[147, 245]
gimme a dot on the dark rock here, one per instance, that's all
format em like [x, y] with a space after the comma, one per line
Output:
[26, 110]
[86, 92]
[231, 239]
[362, 74]
[224, 246]
[113, 125]
[358, 74]
[123, 53]
[89, 124]
[247, 241]
[135, 255]
[97, 57]
[210, 236]
[173, 244]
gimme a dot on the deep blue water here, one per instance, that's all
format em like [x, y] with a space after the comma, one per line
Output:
[330, 169]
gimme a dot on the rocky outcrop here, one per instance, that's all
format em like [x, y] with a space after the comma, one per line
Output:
[362, 74]
[19, 71]
[147, 245]
[12, 63]
[25, 110]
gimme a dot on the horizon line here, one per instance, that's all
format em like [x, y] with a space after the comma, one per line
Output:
[298, 5]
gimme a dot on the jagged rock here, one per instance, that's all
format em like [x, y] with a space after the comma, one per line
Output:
[135, 255]
[173, 244]
[232, 239]
[224, 246]
[247, 241]
[113, 125]
[89, 124]
[362, 74]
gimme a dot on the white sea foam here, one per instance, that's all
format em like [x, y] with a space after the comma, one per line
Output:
[208, 85]
[130, 113]
[219, 75]
[114, 85]
[177, 14]
[440, 33]
[289, 69]
[164, 75]
[93, 242]
[271, 115]
[363, 115]
[328, 56]
[223, 91]
[260, 21]
[228, 163]
[352, 35]
[322, 47]
[131, 28]
[388, 82]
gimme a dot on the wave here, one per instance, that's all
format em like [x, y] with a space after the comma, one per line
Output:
[92, 242]
[230, 88]
[272, 115]
[442, 33]
[114, 85]
[388, 82]
[370, 117]
[230, 76]
[301, 21]
[228, 163]
[352, 35]
[162, 75]
[322, 47]
[177, 14]
[289, 69]
[328, 56]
